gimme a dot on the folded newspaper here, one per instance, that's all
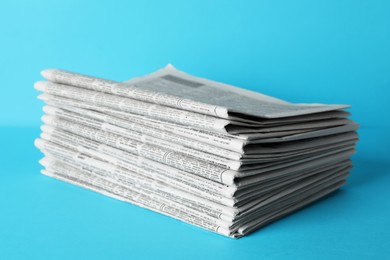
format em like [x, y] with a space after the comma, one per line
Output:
[216, 156]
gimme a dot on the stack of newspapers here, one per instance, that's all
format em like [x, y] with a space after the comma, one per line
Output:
[219, 157]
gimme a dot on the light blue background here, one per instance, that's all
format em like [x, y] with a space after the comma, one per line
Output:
[302, 51]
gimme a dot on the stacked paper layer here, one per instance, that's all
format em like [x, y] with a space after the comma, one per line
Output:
[213, 155]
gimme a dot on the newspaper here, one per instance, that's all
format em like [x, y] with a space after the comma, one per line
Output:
[155, 153]
[209, 154]
[308, 185]
[187, 146]
[198, 186]
[193, 138]
[279, 213]
[228, 142]
[176, 159]
[176, 177]
[279, 183]
[152, 169]
[150, 136]
[137, 107]
[295, 195]
[157, 191]
[100, 185]
[236, 142]
[173, 88]
[164, 113]
[126, 178]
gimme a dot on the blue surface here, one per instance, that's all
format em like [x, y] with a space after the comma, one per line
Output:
[302, 51]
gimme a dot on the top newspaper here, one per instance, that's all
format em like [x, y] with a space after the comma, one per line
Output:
[174, 88]
[202, 104]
